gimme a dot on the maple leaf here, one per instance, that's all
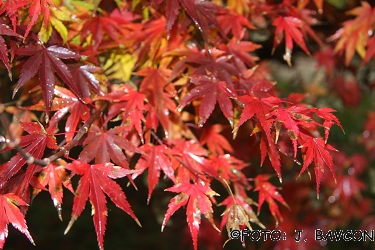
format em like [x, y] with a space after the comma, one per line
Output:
[348, 90]
[171, 14]
[229, 168]
[269, 148]
[65, 102]
[216, 143]
[329, 119]
[86, 74]
[199, 11]
[11, 8]
[240, 54]
[268, 192]
[94, 184]
[326, 57]
[291, 26]
[35, 8]
[354, 34]
[287, 118]
[6, 31]
[155, 161]
[196, 196]
[238, 212]
[150, 39]
[153, 86]
[229, 20]
[10, 213]
[216, 64]
[262, 108]
[120, 65]
[94, 27]
[44, 60]
[347, 187]
[105, 145]
[212, 92]
[370, 52]
[315, 149]
[191, 156]
[54, 176]
[127, 104]
[35, 143]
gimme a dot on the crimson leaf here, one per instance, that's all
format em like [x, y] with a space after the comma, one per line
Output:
[268, 192]
[105, 145]
[155, 160]
[94, 183]
[44, 60]
[212, 92]
[34, 144]
[315, 149]
[10, 213]
[5, 30]
[197, 197]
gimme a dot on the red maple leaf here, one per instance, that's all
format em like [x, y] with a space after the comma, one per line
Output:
[127, 104]
[287, 118]
[229, 168]
[150, 38]
[35, 8]
[199, 11]
[154, 86]
[65, 102]
[292, 28]
[326, 57]
[191, 156]
[262, 109]
[269, 148]
[347, 187]
[35, 143]
[54, 176]
[329, 119]
[238, 212]
[315, 149]
[6, 31]
[11, 7]
[197, 197]
[215, 142]
[269, 193]
[85, 74]
[212, 92]
[44, 60]
[94, 183]
[10, 213]
[370, 52]
[96, 25]
[200, 62]
[154, 161]
[229, 20]
[239, 52]
[105, 145]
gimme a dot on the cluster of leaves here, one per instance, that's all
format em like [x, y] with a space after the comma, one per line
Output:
[133, 86]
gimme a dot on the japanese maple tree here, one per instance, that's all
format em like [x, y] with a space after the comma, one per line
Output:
[101, 98]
